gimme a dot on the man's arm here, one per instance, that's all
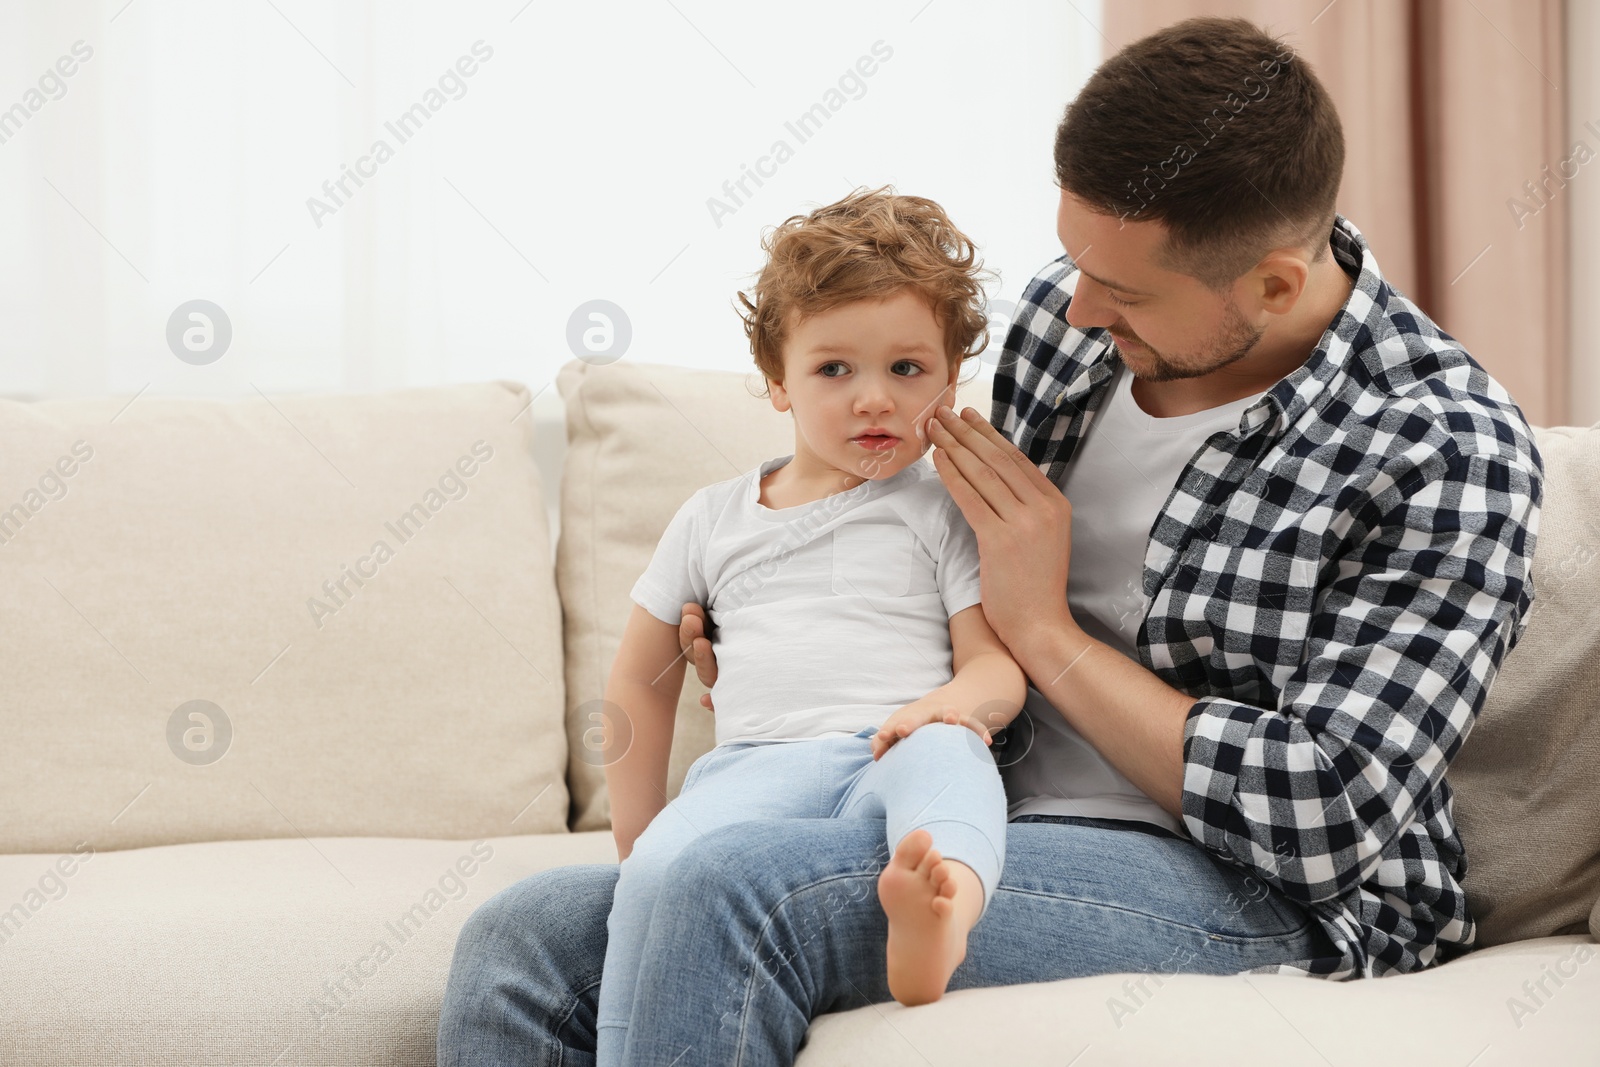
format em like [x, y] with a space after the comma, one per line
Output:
[646, 679]
[1023, 526]
[1399, 659]
[1130, 716]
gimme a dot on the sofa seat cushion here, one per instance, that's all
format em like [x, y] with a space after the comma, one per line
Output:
[1448, 1015]
[248, 952]
[262, 952]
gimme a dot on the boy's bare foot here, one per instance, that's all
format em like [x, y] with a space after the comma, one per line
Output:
[932, 904]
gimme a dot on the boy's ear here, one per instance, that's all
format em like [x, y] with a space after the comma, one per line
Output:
[780, 395]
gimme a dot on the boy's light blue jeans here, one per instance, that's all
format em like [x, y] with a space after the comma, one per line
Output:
[941, 778]
[768, 924]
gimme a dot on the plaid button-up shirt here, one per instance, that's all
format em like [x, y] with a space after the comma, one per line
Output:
[1335, 583]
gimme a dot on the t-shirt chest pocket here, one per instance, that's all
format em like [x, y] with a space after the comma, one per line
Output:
[873, 559]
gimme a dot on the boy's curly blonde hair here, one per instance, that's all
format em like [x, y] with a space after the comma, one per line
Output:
[868, 246]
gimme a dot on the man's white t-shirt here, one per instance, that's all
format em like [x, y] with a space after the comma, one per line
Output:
[1119, 479]
[831, 615]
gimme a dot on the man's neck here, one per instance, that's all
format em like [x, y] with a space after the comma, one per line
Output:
[1281, 352]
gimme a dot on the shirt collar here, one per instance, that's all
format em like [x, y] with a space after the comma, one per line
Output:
[1360, 321]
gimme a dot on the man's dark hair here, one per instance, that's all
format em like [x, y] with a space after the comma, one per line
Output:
[1218, 130]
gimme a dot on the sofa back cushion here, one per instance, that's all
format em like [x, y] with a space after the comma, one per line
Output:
[274, 617]
[641, 438]
[1525, 780]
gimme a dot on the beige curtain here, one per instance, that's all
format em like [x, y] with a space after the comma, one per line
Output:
[1449, 108]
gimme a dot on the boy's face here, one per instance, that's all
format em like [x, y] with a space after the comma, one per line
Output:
[870, 366]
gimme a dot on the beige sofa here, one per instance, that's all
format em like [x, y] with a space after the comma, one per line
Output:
[291, 686]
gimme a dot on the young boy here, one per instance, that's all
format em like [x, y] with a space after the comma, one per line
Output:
[843, 585]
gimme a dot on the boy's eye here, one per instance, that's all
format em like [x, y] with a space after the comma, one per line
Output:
[898, 363]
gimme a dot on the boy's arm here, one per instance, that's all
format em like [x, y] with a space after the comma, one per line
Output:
[986, 693]
[646, 680]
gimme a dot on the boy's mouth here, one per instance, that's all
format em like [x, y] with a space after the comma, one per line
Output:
[876, 442]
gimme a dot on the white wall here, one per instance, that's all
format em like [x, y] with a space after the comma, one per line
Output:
[176, 163]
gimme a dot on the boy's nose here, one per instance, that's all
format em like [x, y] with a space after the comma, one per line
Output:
[874, 400]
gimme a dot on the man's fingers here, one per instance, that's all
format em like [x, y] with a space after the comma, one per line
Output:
[977, 434]
[997, 471]
[705, 662]
[692, 623]
[694, 642]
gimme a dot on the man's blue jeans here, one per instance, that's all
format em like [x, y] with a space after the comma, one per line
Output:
[763, 925]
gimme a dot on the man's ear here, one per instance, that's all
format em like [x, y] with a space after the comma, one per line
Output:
[1279, 281]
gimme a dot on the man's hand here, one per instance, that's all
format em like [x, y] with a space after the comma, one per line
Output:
[934, 707]
[1022, 522]
[693, 640]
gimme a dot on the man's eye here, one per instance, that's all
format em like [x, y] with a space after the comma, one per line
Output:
[1121, 303]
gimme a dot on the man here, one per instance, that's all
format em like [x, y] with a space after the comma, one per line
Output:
[1307, 522]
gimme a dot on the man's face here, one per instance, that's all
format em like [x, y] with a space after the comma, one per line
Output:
[864, 366]
[1166, 325]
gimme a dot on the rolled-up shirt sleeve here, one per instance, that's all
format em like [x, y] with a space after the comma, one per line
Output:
[1407, 634]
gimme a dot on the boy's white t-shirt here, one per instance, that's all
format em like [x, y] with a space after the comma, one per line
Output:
[831, 615]
[1124, 471]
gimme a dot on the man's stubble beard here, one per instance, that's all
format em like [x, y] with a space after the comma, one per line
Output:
[1236, 341]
